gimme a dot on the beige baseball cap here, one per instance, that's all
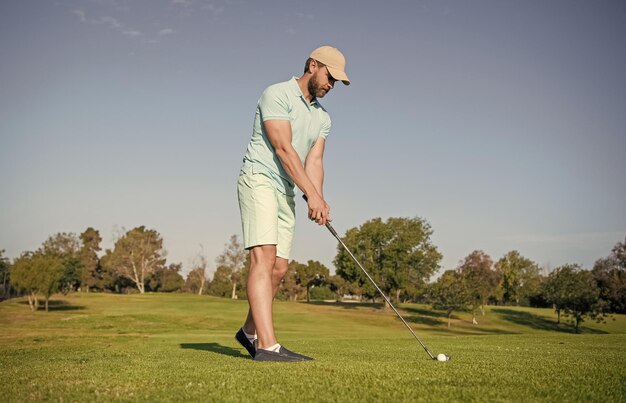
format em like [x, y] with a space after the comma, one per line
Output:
[334, 60]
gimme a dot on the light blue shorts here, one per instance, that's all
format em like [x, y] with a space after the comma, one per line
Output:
[268, 216]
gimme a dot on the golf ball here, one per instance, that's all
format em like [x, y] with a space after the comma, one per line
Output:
[442, 357]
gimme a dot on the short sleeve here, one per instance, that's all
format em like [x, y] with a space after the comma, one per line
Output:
[274, 104]
[325, 131]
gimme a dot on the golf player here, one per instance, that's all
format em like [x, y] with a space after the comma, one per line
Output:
[286, 150]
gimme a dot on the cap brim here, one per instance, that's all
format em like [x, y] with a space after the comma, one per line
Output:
[339, 75]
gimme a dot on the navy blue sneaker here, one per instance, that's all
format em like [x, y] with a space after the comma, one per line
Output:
[266, 355]
[243, 340]
[302, 357]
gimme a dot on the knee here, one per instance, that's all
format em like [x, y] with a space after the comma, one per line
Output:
[280, 268]
[263, 257]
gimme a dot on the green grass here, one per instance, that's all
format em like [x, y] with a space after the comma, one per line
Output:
[180, 348]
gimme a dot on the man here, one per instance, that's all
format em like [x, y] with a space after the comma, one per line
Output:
[286, 150]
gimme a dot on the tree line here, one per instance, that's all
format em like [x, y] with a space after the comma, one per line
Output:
[398, 253]
[66, 262]
[515, 280]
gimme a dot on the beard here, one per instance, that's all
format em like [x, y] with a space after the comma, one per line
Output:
[315, 89]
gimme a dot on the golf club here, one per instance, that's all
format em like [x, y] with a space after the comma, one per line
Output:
[440, 357]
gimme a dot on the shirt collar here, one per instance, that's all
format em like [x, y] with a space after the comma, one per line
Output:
[298, 92]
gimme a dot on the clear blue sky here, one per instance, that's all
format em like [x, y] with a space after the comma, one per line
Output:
[502, 123]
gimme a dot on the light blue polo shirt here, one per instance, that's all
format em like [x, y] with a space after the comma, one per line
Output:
[284, 101]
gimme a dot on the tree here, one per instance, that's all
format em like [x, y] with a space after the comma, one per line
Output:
[233, 258]
[519, 277]
[538, 298]
[414, 290]
[480, 279]
[449, 293]
[557, 287]
[290, 288]
[358, 283]
[323, 293]
[65, 247]
[583, 300]
[91, 273]
[197, 278]
[221, 284]
[53, 275]
[242, 290]
[338, 285]
[610, 274]
[64, 244]
[575, 292]
[166, 279]
[37, 273]
[5, 268]
[70, 280]
[394, 253]
[111, 279]
[310, 275]
[413, 257]
[137, 254]
[24, 277]
[196, 281]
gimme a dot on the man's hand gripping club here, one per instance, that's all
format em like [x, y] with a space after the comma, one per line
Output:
[319, 210]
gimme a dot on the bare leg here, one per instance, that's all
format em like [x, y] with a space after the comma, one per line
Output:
[260, 293]
[278, 272]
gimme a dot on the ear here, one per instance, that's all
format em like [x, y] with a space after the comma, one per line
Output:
[313, 66]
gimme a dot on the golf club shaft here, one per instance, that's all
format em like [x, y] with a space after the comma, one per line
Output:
[332, 231]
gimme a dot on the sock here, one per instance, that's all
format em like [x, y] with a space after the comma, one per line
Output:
[275, 348]
[250, 337]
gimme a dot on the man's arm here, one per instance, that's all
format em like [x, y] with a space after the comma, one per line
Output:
[279, 135]
[314, 165]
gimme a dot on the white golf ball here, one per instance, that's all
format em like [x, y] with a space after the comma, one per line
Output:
[442, 357]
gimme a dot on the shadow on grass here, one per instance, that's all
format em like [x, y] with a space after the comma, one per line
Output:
[538, 322]
[423, 320]
[347, 305]
[442, 324]
[215, 348]
[56, 305]
[475, 329]
[428, 317]
[427, 312]
[381, 306]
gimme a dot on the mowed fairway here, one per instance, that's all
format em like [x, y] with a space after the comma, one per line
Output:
[180, 347]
